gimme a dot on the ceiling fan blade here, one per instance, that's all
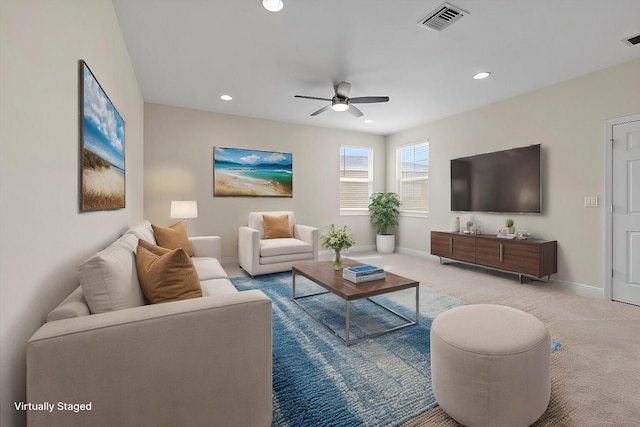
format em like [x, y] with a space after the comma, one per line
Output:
[368, 99]
[322, 110]
[312, 97]
[343, 89]
[354, 111]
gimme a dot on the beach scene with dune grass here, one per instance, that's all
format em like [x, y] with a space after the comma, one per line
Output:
[242, 172]
[103, 172]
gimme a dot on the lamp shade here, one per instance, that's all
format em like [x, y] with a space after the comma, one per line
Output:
[184, 209]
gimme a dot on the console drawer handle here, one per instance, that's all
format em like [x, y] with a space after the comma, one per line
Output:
[450, 245]
[501, 253]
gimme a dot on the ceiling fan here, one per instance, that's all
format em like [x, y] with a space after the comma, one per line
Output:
[342, 102]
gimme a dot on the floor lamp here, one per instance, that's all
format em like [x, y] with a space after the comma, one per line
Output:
[184, 210]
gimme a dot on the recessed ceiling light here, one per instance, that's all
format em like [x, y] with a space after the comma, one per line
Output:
[226, 97]
[368, 121]
[273, 5]
[482, 75]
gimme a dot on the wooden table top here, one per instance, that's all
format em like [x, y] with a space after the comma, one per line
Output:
[324, 275]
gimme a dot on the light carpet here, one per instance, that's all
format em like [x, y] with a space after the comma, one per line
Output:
[318, 380]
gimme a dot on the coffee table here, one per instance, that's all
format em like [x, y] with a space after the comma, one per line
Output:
[323, 274]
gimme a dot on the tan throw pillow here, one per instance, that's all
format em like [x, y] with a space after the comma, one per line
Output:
[167, 277]
[154, 249]
[173, 237]
[276, 227]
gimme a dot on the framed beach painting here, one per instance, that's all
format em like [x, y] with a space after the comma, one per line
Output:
[102, 171]
[242, 172]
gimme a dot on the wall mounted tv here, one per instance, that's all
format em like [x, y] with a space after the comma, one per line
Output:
[507, 181]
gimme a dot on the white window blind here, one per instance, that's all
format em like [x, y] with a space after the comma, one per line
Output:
[414, 177]
[355, 177]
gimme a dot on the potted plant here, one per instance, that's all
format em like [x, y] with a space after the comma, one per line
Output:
[509, 224]
[384, 209]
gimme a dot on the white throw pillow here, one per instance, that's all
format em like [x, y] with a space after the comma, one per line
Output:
[143, 231]
[109, 279]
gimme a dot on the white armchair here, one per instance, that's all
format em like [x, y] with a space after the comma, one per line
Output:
[259, 255]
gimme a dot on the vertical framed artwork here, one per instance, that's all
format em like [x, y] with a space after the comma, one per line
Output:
[102, 167]
[242, 172]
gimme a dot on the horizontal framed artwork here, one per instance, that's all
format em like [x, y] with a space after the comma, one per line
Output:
[102, 171]
[254, 173]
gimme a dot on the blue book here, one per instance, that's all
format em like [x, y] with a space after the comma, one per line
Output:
[363, 270]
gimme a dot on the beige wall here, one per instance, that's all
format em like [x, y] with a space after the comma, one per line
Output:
[44, 237]
[179, 166]
[568, 119]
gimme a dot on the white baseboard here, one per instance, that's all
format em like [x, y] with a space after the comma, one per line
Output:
[579, 289]
[564, 285]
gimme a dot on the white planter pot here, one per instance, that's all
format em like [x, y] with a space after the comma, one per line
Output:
[385, 243]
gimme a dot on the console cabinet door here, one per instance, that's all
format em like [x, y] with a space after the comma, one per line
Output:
[453, 246]
[507, 255]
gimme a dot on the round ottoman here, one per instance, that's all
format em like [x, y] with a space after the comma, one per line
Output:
[490, 365]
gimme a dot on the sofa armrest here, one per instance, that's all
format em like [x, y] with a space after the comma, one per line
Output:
[203, 361]
[307, 234]
[248, 248]
[206, 246]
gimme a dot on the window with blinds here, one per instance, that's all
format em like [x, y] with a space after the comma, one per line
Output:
[414, 177]
[356, 177]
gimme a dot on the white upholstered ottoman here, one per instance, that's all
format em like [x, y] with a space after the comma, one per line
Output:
[490, 365]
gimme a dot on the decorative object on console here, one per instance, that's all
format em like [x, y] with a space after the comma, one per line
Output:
[338, 240]
[254, 173]
[184, 210]
[102, 167]
[509, 224]
[455, 225]
[467, 229]
[384, 209]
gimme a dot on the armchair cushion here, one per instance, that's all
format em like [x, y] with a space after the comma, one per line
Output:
[167, 277]
[173, 237]
[273, 247]
[276, 227]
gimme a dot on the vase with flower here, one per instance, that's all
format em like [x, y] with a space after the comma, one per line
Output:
[337, 239]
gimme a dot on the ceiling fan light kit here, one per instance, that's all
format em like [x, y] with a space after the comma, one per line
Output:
[342, 102]
[273, 5]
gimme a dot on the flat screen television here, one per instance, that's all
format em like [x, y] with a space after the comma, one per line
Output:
[505, 181]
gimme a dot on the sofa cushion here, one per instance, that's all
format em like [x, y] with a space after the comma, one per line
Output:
[215, 287]
[167, 277]
[288, 258]
[143, 231]
[209, 268]
[109, 280]
[276, 227]
[272, 247]
[173, 237]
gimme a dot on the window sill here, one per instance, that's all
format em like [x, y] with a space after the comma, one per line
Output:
[354, 212]
[414, 214]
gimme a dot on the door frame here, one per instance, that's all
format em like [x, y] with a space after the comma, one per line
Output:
[608, 203]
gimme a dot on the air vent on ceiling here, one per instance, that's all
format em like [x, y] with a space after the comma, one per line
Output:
[632, 41]
[442, 17]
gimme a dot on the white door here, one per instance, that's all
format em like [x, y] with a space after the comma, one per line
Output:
[625, 222]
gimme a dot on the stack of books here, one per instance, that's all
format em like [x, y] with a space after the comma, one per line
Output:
[363, 273]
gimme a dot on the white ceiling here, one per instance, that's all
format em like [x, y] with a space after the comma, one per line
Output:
[187, 53]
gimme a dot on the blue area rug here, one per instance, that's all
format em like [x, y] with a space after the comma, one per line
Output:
[319, 381]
